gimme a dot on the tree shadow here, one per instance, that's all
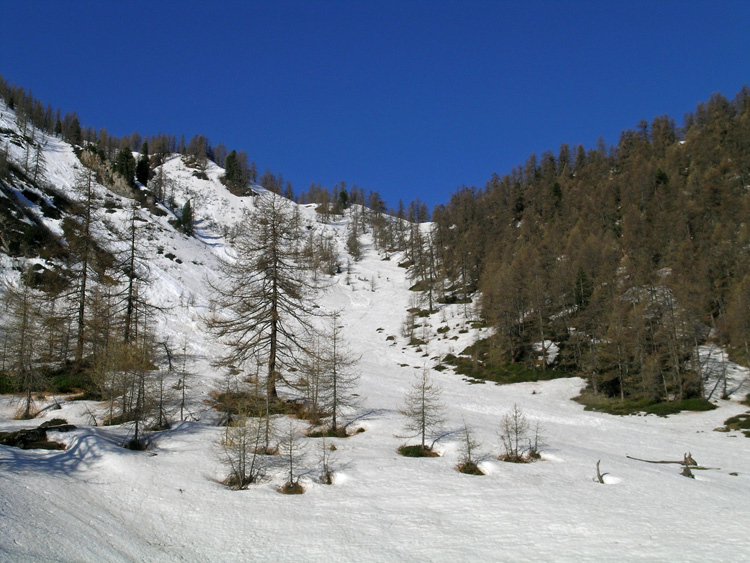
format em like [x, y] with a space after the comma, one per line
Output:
[85, 449]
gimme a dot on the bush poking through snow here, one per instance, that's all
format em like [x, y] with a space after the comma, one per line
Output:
[137, 444]
[326, 456]
[417, 451]
[240, 449]
[515, 434]
[292, 488]
[469, 468]
[425, 413]
[467, 461]
[329, 433]
[292, 449]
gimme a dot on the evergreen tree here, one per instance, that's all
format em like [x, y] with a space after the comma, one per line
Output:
[236, 175]
[124, 165]
[143, 169]
[187, 218]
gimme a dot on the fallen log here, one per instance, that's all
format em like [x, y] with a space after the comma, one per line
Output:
[686, 461]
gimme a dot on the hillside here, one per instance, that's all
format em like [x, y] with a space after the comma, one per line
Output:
[96, 501]
[629, 257]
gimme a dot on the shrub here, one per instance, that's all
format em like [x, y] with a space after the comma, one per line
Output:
[739, 422]
[240, 452]
[329, 433]
[292, 488]
[467, 461]
[515, 433]
[417, 451]
[6, 384]
[470, 468]
[614, 405]
[138, 445]
[477, 361]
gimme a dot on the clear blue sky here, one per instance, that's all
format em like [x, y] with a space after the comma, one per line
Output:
[409, 98]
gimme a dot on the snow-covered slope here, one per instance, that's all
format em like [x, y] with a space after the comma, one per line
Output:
[96, 501]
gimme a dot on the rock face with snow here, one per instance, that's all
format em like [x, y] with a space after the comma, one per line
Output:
[96, 501]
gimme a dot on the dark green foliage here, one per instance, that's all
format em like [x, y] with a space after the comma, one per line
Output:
[67, 381]
[477, 361]
[601, 403]
[124, 165]
[143, 169]
[236, 175]
[187, 218]
[343, 200]
[71, 129]
[6, 384]
[739, 422]
[136, 444]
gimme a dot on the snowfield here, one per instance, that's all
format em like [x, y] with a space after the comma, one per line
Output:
[96, 501]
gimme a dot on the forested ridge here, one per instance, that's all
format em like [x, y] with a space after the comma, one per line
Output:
[628, 257]
[625, 259]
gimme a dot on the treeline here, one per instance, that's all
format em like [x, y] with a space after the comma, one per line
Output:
[32, 115]
[629, 257]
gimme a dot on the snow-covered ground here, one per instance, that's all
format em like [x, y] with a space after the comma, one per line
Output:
[96, 501]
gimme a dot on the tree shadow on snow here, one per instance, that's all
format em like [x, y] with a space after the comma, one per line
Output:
[85, 449]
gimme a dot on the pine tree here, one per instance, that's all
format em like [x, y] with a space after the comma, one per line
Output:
[124, 165]
[143, 169]
[187, 218]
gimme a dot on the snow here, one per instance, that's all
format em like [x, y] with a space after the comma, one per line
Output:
[547, 350]
[719, 370]
[96, 501]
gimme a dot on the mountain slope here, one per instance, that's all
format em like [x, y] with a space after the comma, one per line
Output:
[98, 501]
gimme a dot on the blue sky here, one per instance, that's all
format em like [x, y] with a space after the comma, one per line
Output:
[409, 98]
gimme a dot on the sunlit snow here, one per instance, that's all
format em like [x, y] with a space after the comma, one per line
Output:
[96, 501]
